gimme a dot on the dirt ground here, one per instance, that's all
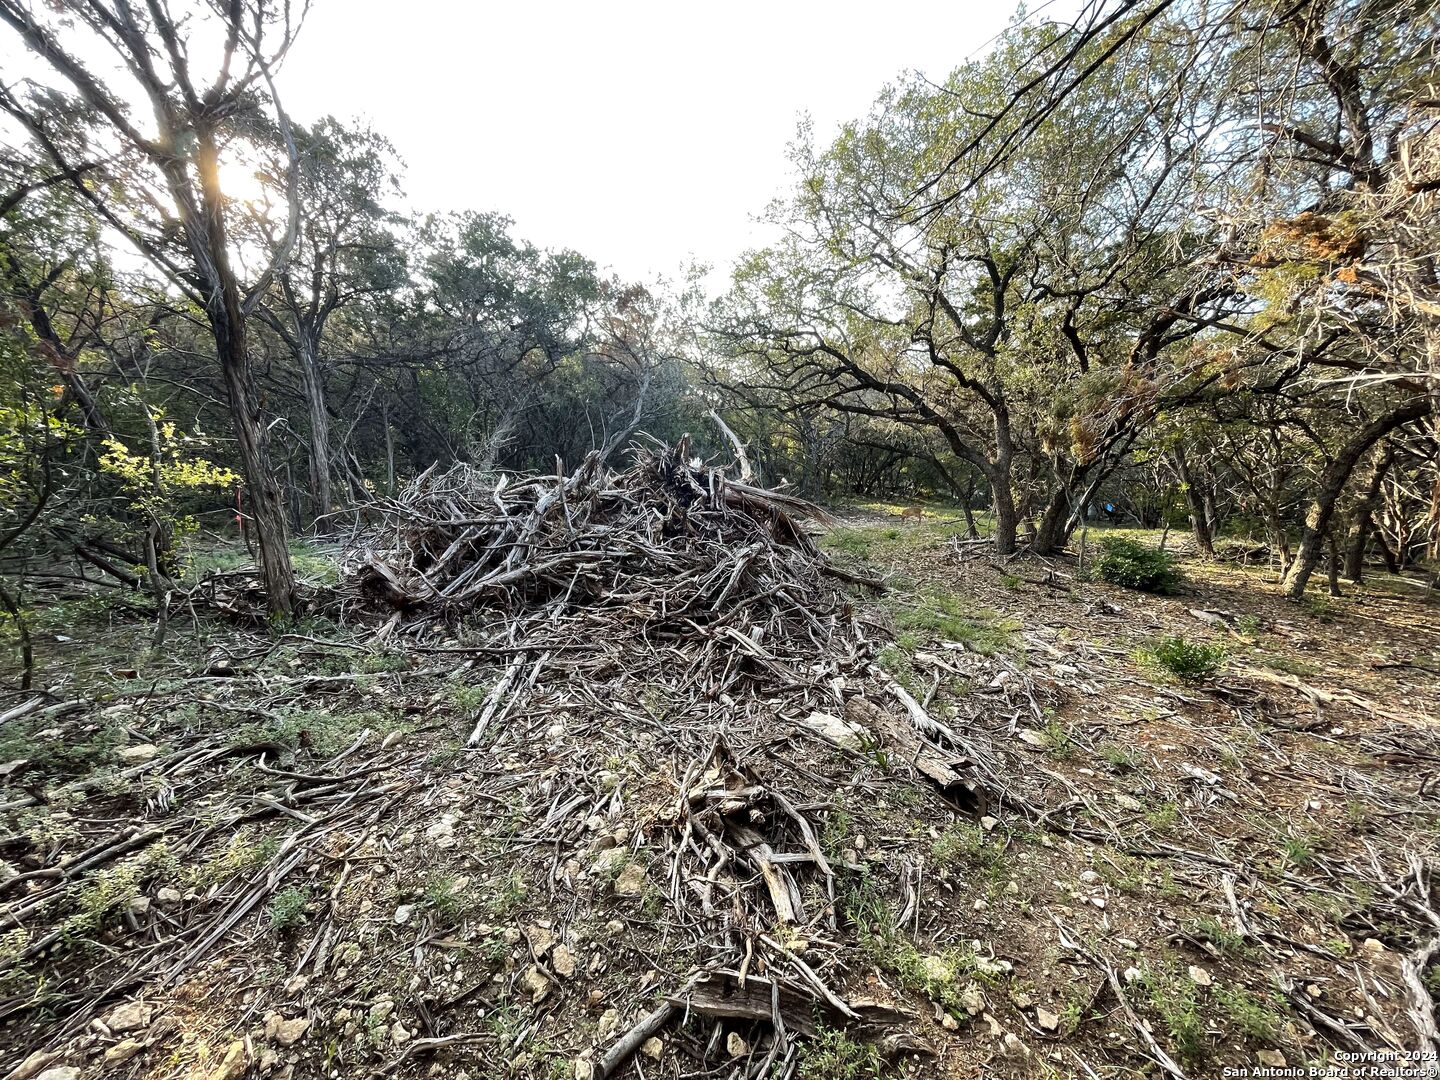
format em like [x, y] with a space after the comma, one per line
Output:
[273, 855]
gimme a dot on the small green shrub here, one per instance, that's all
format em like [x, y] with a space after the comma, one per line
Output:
[1135, 566]
[448, 897]
[287, 909]
[1185, 659]
[1257, 1016]
[833, 1055]
[963, 843]
[1174, 999]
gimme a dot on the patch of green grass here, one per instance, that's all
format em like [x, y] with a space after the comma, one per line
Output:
[467, 697]
[1290, 666]
[77, 751]
[1129, 875]
[1228, 941]
[1297, 850]
[1164, 817]
[856, 542]
[1257, 1016]
[287, 909]
[247, 851]
[200, 564]
[896, 662]
[107, 891]
[837, 829]
[505, 898]
[833, 1055]
[382, 661]
[935, 975]
[319, 731]
[312, 564]
[936, 615]
[1120, 758]
[1189, 661]
[448, 898]
[1059, 741]
[1248, 626]
[1175, 1000]
[1357, 814]
[964, 843]
[16, 975]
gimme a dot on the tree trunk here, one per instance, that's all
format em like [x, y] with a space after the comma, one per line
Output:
[1359, 534]
[1332, 565]
[1001, 495]
[1006, 519]
[313, 378]
[1200, 512]
[266, 507]
[389, 448]
[209, 245]
[1050, 536]
[1332, 482]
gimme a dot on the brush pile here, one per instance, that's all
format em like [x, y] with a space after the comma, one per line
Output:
[670, 557]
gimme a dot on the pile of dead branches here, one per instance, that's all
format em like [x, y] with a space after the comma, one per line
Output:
[670, 552]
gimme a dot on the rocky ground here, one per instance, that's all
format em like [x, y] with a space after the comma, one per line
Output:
[995, 838]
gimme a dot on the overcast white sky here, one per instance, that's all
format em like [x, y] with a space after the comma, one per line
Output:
[640, 133]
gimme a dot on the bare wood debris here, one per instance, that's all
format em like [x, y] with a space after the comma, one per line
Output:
[669, 554]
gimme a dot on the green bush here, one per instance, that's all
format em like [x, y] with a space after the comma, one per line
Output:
[287, 909]
[1135, 566]
[1189, 660]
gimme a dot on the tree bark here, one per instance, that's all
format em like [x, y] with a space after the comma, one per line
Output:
[1200, 512]
[227, 324]
[1001, 493]
[1332, 482]
[313, 379]
[1006, 520]
[1358, 536]
[1050, 536]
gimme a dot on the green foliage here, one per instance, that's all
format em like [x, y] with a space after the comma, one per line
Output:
[172, 467]
[318, 731]
[448, 897]
[1191, 661]
[856, 542]
[936, 975]
[112, 888]
[965, 843]
[1290, 666]
[248, 851]
[1133, 565]
[465, 696]
[1228, 941]
[1059, 740]
[1175, 1000]
[1257, 1016]
[505, 897]
[1298, 850]
[78, 751]
[1431, 981]
[1120, 758]
[834, 1055]
[286, 909]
